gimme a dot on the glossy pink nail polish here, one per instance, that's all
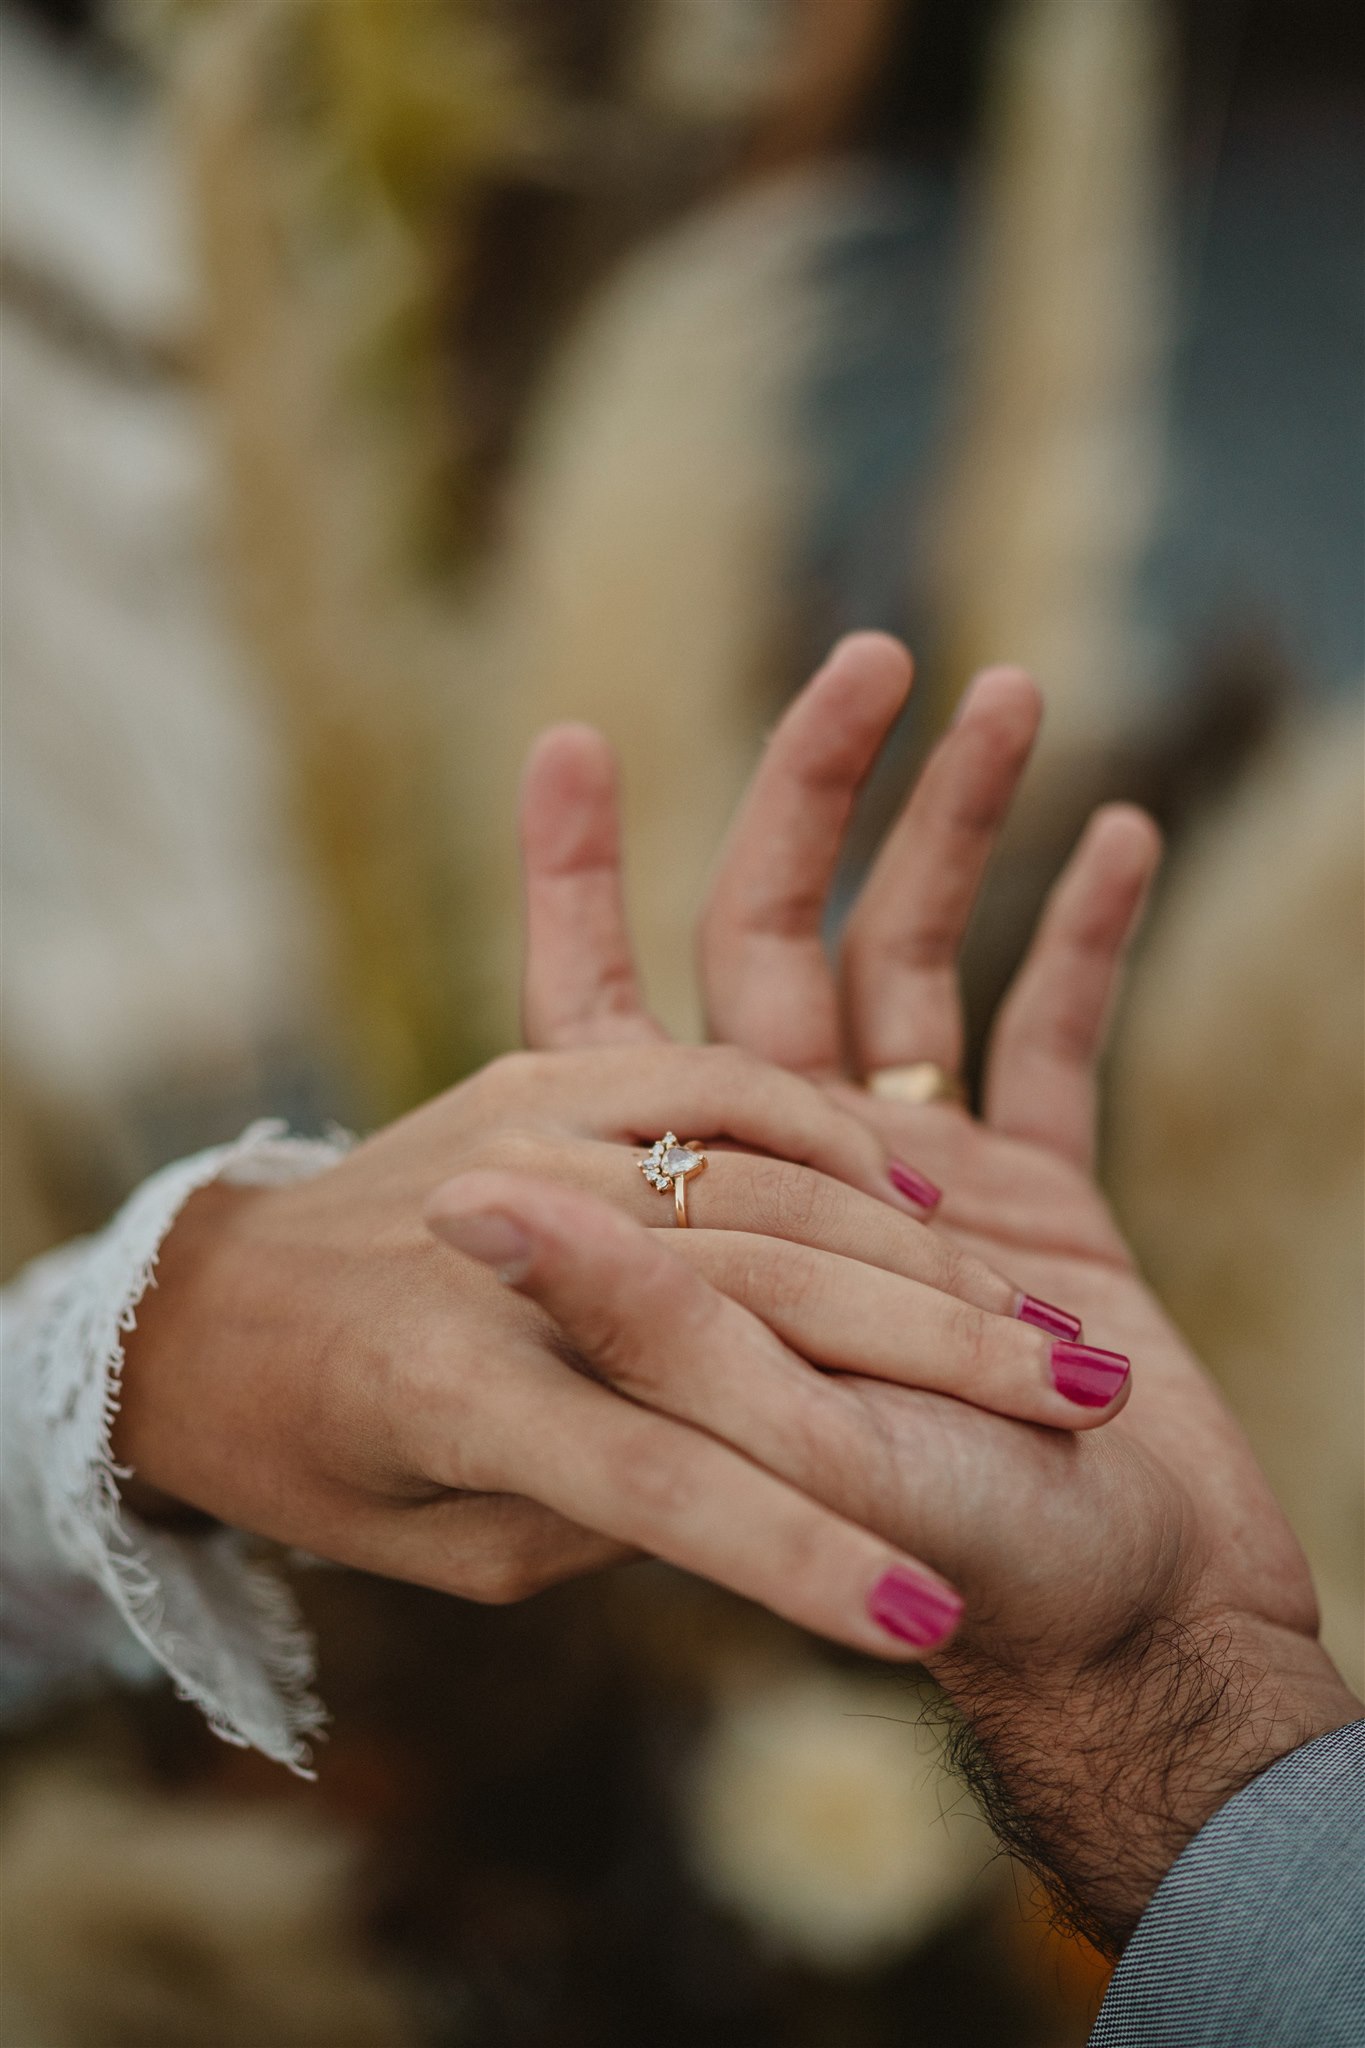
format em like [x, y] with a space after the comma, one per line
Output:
[913, 1186]
[1044, 1316]
[1089, 1377]
[912, 1609]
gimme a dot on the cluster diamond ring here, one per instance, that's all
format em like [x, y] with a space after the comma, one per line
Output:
[668, 1164]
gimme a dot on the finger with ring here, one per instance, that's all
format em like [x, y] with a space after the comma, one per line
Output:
[670, 1165]
[920, 1081]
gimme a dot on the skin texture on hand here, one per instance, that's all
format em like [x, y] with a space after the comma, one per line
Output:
[1140, 1629]
[531, 1382]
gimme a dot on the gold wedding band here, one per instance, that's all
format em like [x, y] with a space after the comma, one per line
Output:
[670, 1165]
[921, 1081]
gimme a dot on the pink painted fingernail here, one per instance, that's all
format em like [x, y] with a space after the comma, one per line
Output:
[913, 1186]
[1044, 1316]
[1087, 1376]
[914, 1610]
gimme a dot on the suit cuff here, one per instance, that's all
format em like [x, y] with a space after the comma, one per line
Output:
[1256, 1936]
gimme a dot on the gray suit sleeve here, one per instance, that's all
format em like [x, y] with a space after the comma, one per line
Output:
[1256, 1936]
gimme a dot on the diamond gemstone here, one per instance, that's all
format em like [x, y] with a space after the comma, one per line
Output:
[679, 1160]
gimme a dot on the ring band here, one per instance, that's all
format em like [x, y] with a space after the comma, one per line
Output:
[670, 1165]
[921, 1081]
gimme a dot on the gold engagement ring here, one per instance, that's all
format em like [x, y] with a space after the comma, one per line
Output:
[671, 1165]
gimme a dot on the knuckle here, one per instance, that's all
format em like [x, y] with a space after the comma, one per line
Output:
[519, 1151]
[508, 1149]
[1069, 1037]
[793, 1200]
[988, 1350]
[878, 937]
[727, 1066]
[800, 1549]
[512, 1074]
[818, 1420]
[773, 1280]
[953, 1269]
[971, 1340]
[653, 1482]
[785, 1280]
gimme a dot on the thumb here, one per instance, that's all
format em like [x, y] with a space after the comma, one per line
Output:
[579, 981]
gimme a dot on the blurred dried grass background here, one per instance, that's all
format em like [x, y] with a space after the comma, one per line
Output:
[384, 378]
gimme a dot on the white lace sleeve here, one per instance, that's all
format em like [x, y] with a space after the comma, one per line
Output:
[84, 1584]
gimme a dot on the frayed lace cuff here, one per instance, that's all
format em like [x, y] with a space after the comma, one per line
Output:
[224, 1628]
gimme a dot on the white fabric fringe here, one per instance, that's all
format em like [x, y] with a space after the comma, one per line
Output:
[224, 1628]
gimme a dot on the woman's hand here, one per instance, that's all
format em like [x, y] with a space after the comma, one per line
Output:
[1140, 1628]
[315, 1367]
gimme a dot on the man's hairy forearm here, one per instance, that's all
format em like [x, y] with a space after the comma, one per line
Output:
[1097, 1779]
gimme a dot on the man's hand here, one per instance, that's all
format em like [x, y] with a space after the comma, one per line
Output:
[1141, 1629]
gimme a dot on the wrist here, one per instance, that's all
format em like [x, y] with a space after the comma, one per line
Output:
[176, 1326]
[1099, 1780]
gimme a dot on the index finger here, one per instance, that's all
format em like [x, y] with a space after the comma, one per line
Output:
[766, 978]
